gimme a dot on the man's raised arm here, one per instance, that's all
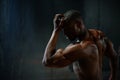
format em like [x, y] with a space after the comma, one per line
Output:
[50, 48]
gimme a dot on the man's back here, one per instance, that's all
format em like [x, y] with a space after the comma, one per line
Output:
[89, 68]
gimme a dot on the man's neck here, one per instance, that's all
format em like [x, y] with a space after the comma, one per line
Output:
[84, 34]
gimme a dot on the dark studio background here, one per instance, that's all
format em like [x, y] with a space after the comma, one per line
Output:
[26, 26]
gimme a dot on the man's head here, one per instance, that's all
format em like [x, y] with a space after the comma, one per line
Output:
[73, 25]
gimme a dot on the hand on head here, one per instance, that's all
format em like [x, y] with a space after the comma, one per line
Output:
[58, 21]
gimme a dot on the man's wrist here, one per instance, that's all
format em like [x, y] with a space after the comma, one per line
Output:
[57, 30]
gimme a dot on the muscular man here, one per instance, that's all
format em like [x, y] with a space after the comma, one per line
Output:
[86, 51]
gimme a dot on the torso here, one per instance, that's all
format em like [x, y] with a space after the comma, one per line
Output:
[91, 68]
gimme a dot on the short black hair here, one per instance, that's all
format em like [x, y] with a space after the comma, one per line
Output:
[72, 15]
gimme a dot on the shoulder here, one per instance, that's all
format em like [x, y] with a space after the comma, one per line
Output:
[73, 47]
[82, 46]
[98, 34]
[88, 45]
[80, 50]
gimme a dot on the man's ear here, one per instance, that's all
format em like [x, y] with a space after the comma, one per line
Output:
[77, 28]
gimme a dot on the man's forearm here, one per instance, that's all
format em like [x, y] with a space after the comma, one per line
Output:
[51, 45]
[114, 68]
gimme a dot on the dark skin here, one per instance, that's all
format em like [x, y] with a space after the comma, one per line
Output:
[86, 55]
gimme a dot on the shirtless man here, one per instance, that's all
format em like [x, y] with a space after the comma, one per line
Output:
[86, 51]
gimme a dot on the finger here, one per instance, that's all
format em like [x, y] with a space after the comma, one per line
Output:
[58, 16]
[61, 21]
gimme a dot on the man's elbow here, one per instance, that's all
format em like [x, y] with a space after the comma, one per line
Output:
[46, 63]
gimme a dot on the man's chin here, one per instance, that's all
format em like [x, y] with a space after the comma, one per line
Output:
[72, 40]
